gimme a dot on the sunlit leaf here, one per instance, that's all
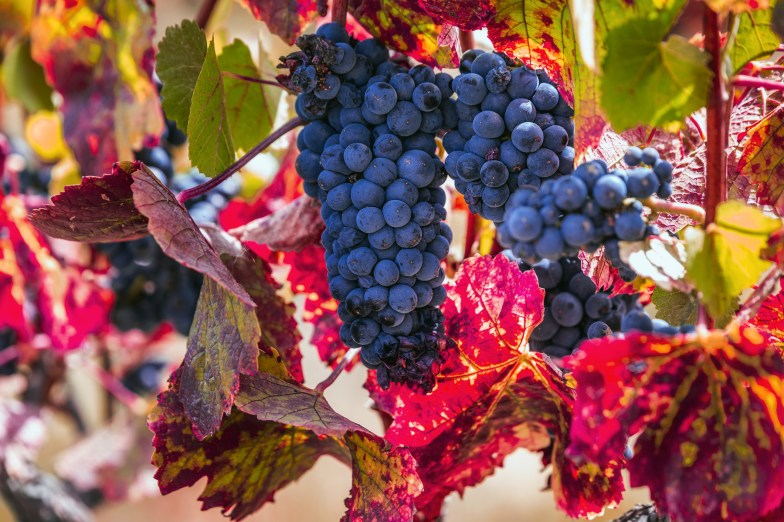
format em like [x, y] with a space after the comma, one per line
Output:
[708, 412]
[285, 18]
[23, 78]
[755, 38]
[492, 397]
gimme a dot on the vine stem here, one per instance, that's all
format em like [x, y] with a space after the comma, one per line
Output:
[339, 11]
[716, 183]
[695, 212]
[205, 12]
[466, 40]
[250, 79]
[752, 81]
[9, 354]
[347, 358]
[205, 187]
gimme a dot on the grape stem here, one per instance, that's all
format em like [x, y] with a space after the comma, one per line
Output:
[250, 79]
[751, 81]
[339, 11]
[347, 358]
[695, 212]
[205, 187]
[466, 40]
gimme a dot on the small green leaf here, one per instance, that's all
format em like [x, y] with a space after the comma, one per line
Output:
[676, 307]
[180, 57]
[23, 78]
[649, 81]
[250, 106]
[724, 260]
[211, 149]
[755, 38]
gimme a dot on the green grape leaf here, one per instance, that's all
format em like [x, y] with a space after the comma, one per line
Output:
[222, 344]
[675, 307]
[649, 81]
[210, 148]
[755, 38]
[181, 54]
[724, 260]
[250, 106]
[23, 77]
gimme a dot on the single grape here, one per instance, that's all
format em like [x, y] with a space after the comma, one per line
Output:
[567, 309]
[527, 137]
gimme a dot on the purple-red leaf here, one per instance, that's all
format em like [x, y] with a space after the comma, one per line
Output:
[285, 18]
[222, 344]
[492, 396]
[708, 411]
[176, 233]
[98, 209]
[404, 27]
[100, 60]
[289, 229]
[250, 458]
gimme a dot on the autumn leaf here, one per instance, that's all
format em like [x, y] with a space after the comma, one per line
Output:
[222, 344]
[492, 397]
[250, 458]
[724, 260]
[770, 317]
[737, 6]
[285, 18]
[176, 233]
[289, 229]
[23, 78]
[761, 159]
[708, 413]
[98, 209]
[101, 65]
[464, 14]
[71, 305]
[403, 26]
[275, 316]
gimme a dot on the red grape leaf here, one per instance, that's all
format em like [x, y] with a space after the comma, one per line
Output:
[69, 303]
[222, 344]
[404, 27]
[465, 14]
[761, 159]
[708, 411]
[326, 339]
[98, 209]
[492, 396]
[176, 233]
[607, 279]
[285, 18]
[249, 459]
[291, 228]
[279, 333]
[101, 64]
[270, 398]
[770, 316]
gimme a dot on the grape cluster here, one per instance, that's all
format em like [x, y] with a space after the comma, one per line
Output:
[575, 310]
[513, 129]
[368, 155]
[150, 287]
[590, 208]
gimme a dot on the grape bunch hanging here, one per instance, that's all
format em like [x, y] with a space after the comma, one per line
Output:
[368, 154]
[513, 129]
[593, 207]
[576, 310]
